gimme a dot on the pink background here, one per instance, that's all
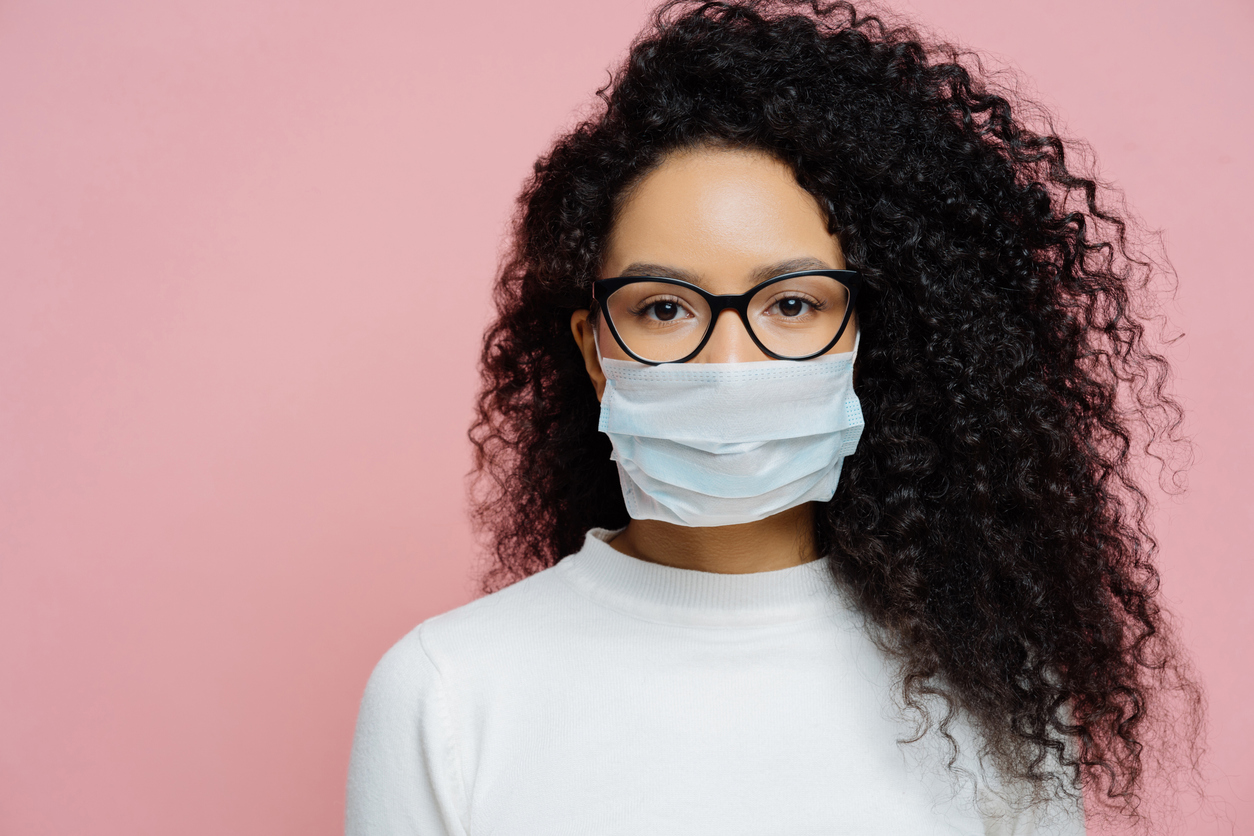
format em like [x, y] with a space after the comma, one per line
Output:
[245, 250]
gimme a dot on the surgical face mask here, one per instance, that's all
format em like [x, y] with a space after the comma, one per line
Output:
[705, 444]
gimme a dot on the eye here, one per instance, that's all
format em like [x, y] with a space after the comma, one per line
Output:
[665, 311]
[795, 305]
[792, 306]
[661, 309]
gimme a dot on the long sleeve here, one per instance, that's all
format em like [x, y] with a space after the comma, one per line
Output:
[404, 777]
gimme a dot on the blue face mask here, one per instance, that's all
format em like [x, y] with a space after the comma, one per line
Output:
[705, 444]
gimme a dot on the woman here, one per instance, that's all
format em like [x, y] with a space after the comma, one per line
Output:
[824, 519]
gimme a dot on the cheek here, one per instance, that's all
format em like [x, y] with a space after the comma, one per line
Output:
[845, 344]
[608, 345]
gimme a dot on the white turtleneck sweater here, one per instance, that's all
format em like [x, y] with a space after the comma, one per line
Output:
[609, 695]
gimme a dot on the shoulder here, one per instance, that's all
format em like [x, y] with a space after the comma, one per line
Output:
[477, 636]
[415, 745]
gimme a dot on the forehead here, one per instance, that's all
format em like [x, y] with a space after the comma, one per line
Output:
[726, 211]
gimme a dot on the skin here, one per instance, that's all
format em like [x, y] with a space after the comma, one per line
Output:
[726, 219]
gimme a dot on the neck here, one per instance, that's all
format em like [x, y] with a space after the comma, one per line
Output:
[778, 542]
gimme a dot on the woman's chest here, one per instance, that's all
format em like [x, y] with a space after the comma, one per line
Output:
[754, 734]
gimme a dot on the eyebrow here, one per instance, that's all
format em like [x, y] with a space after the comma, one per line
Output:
[761, 274]
[641, 268]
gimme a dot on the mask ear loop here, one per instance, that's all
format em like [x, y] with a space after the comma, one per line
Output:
[596, 340]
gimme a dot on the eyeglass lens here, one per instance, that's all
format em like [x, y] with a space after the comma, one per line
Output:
[664, 322]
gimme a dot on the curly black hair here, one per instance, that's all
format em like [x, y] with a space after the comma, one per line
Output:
[991, 523]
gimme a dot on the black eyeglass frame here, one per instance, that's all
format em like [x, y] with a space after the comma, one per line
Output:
[739, 302]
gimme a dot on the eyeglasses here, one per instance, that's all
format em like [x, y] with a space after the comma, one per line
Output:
[795, 316]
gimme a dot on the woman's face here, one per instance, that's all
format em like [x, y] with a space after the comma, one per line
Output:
[726, 220]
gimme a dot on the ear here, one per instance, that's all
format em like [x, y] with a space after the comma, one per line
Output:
[582, 329]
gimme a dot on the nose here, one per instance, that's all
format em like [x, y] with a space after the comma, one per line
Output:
[730, 342]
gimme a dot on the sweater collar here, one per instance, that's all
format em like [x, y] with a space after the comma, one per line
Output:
[689, 596]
